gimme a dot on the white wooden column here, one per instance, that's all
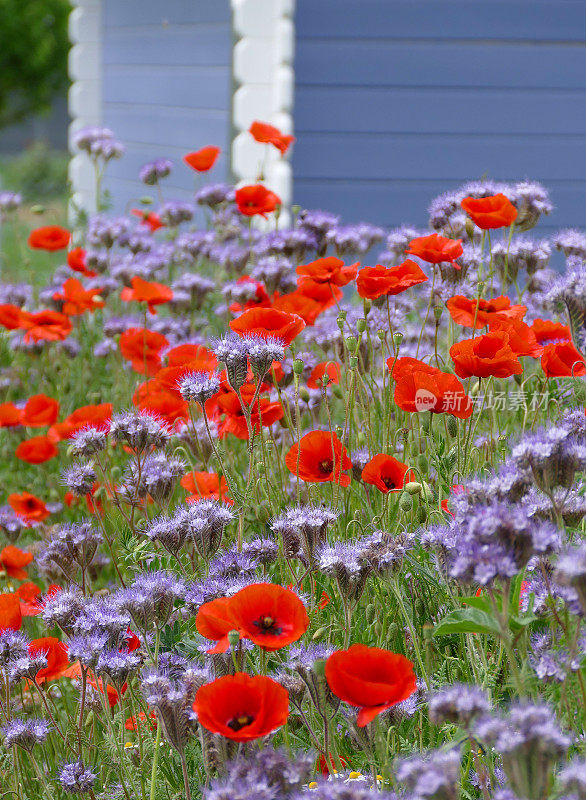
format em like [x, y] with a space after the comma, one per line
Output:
[85, 94]
[263, 73]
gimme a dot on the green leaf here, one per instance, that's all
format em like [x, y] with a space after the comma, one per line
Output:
[467, 620]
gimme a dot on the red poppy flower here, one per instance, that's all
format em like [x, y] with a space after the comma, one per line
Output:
[205, 486]
[330, 270]
[31, 598]
[149, 292]
[420, 387]
[12, 317]
[234, 422]
[241, 707]
[10, 616]
[214, 621]
[39, 411]
[85, 417]
[386, 473]
[186, 353]
[492, 212]
[131, 722]
[485, 356]
[156, 399]
[309, 300]
[204, 159]
[49, 326]
[142, 348]
[464, 311]
[435, 249]
[77, 300]
[268, 134]
[269, 615]
[456, 489]
[319, 453]
[522, 338]
[322, 764]
[12, 561]
[148, 218]
[36, 450]
[257, 199]
[57, 660]
[10, 415]
[29, 507]
[562, 360]
[76, 262]
[373, 282]
[370, 678]
[268, 322]
[51, 237]
[333, 370]
[548, 332]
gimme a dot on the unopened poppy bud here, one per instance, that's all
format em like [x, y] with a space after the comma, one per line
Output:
[233, 638]
[146, 200]
[367, 305]
[419, 606]
[426, 422]
[415, 449]
[304, 394]
[405, 502]
[427, 492]
[319, 667]
[361, 438]
[392, 630]
[452, 425]
[351, 343]
[298, 366]
[437, 312]
[353, 362]
[378, 628]
[337, 391]
[398, 338]
[413, 487]
[421, 515]
[37, 209]
[115, 473]
[319, 633]
[370, 613]
[518, 379]
[361, 325]
[470, 228]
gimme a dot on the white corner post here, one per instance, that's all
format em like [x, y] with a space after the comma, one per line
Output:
[85, 94]
[264, 88]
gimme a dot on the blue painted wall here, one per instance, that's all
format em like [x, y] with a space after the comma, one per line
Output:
[399, 100]
[166, 88]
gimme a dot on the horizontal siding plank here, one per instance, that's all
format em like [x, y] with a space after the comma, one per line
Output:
[381, 109]
[181, 177]
[193, 87]
[562, 20]
[153, 12]
[205, 45]
[168, 127]
[453, 157]
[327, 62]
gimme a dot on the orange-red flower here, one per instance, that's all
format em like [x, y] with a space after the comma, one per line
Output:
[387, 473]
[57, 660]
[31, 598]
[241, 707]
[205, 486]
[309, 300]
[548, 332]
[373, 282]
[148, 218]
[39, 411]
[214, 621]
[85, 417]
[492, 212]
[131, 722]
[562, 360]
[330, 270]
[149, 292]
[192, 353]
[472, 314]
[10, 415]
[257, 199]
[49, 326]
[36, 450]
[319, 454]
[420, 387]
[370, 678]
[264, 411]
[333, 370]
[268, 134]
[77, 300]
[12, 317]
[435, 249]
[522, 338]
[269, 615]
[76, 262]
[29, 507]
[268, 322]
[202, 160]
[10, 616]
[158, 400]
[13, 560]
[51, 237]
[142, 348]
[485, 356]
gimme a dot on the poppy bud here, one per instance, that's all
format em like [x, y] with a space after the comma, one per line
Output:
[37, 209]
[427, 492]
[426, 422]
[340, 323]
[370, 613]
[518, 379]
[298, 366]
[413, 487]
[233, 638]
[319, 632]
[145, 200]
[421, 515]
[415, 449]
[397, 339]
[367, 305]
[361, 325]
[352, 344]
[304, 394]
[353, 362]
[452, 425]
[319, 667]
[405, 502]
[392, 630]
[337, 391]
[378, 628]
[470, 228]
[437, 313]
